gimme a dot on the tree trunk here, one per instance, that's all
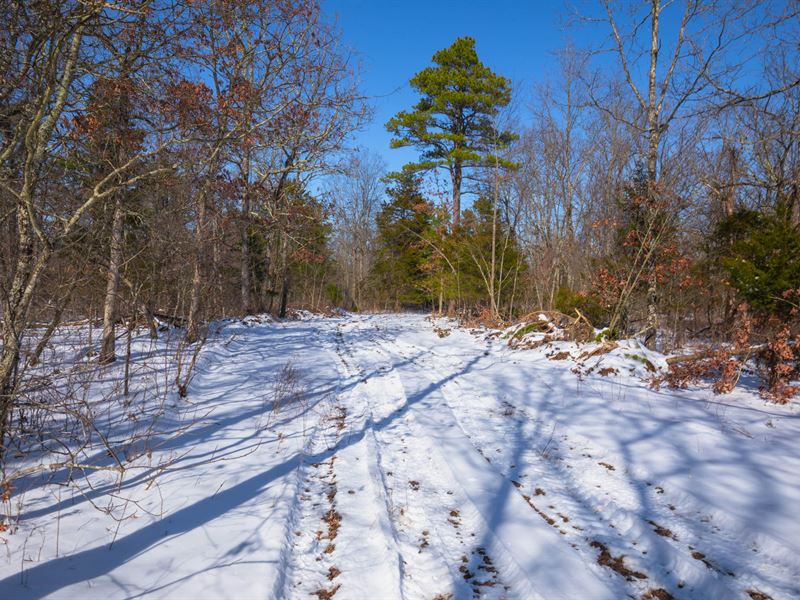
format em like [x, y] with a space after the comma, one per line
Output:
[107, 347]
[654, 134]
[794, 204]
[247, 305]
[16, 307]
[151, 320]
[652, 315]
[8, 368]
[284, 293]
[456, 176]
[245, 268]
[653, 129]
[284, 276]
[729, 196]
[266, 268]
[193, 325]
[127, 377]
[728, 207]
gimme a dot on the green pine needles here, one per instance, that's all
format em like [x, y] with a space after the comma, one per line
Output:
[454, 123]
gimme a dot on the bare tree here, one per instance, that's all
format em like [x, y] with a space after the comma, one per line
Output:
[282, 99]
[666, 73]
[45, 81]
[554, 156]
[356, 194]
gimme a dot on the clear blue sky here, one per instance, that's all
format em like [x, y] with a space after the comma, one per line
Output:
[396, 39]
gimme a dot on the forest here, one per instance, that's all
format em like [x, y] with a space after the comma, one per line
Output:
[180, 179]
[186, 161]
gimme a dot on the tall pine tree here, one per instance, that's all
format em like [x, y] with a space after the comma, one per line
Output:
[453, 123]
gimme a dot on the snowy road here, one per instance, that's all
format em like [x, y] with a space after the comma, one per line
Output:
[409, 465]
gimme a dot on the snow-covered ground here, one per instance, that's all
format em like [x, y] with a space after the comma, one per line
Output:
[369, 457]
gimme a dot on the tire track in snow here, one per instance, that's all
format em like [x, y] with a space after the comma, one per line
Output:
[553, 481]
[496, 529]
[586, 515]
[315, 520]
[380, 477]
[358, 561]
[438, 550]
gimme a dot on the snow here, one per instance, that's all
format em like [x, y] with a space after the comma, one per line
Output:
[393, 462]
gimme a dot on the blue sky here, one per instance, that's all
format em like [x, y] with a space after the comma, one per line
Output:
[395, 39]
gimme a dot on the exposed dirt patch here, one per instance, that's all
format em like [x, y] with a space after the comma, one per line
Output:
[454, 518]
[607, 371]
[414, 485]
[560, 356]
[663, 531]
[324, 594]
[339, 416]
[486, 561]
[479, 570]
[548, 520]
[608, 466]
[423, 541]
[615, 563]
[697, 555]
[333, 573]
[756, 595]
[539, 492]
[334, 520]
[487, 583]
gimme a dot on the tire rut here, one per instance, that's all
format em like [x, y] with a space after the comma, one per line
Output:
[584, 512]
[484, 563]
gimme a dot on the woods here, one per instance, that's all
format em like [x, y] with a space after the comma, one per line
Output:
[322, 298]
[184, 161]
[652, 187]
[154, 161]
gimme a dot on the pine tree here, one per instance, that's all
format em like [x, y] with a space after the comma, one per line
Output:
[453, 123]
[404, 225]
[762, 260]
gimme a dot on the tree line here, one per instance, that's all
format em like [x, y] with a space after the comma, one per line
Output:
[154, 163]
[184, 160]
[650, 186]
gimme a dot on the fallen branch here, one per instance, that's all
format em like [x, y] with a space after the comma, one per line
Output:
[42, 468]
[173, 320]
